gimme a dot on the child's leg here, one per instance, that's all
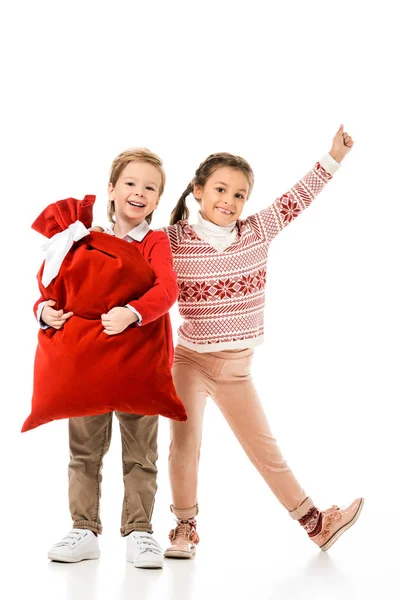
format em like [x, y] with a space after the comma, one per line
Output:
[192, 386]
[192, 378]
[89, 440]
[139, 457]
[237, 398]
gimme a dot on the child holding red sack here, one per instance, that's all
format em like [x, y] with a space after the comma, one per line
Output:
[137, 181]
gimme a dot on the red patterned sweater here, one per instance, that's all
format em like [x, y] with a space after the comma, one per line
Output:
[222, 294]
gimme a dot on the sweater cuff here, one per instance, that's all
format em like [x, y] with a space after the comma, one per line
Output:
[329, 164]
[39, 311]
[139, 316]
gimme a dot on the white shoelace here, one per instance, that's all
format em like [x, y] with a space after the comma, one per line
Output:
[71, 539]
[147, 543]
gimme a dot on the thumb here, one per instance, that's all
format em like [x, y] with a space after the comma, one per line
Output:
[50, 302]
[340, 130]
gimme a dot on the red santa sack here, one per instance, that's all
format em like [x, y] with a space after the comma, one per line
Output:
[79, 370]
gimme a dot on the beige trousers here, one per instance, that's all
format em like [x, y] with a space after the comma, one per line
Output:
[226, 378]
[89, 441]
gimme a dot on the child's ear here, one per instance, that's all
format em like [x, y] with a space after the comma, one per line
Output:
[110, 191]
[197, 191]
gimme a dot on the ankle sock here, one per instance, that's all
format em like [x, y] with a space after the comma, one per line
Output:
[312, 522]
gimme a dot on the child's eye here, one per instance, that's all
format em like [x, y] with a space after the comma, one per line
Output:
[220, 189]
[130, 183]
[239, 196]
[150, 188]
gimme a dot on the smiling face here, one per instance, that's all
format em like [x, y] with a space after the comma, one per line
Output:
[223, 196]
[136, 194]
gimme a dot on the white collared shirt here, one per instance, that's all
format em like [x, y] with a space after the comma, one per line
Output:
[138, 233]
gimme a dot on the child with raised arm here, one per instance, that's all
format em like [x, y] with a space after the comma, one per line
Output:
[221, 263]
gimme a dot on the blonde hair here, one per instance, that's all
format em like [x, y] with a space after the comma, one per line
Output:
[118, 165]
[204, 172]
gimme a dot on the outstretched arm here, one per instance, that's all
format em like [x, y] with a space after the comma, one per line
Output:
[289, 206]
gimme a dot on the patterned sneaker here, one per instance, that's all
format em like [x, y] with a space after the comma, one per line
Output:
[143, 551]
[79, 544]
[325, 527]
[183, 540]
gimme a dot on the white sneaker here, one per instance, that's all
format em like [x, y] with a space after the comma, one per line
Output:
[79, 544]
[143, 551]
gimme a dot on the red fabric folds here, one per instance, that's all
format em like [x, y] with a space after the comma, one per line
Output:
[79, 370]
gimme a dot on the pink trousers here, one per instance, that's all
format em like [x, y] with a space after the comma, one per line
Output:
[226, 378]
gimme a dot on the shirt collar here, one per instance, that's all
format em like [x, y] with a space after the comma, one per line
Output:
[138, 233]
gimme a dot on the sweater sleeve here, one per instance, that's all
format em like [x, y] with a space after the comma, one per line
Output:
[160, 298]
[288, 207]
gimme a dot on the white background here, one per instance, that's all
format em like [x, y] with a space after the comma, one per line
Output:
[271, 81]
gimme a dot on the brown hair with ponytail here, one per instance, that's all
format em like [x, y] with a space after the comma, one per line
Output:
[204, 172]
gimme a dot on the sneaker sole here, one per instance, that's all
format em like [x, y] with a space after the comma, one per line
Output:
[339, 532]
[179, 554]
[73, 559]
[144, 565]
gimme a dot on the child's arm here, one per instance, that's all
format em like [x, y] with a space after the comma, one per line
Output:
[157, 301]
[289, 206]
[162, 296]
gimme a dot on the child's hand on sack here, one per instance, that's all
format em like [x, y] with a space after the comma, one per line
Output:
[342, 143]
[54, 318]
[117, 320]
[97, 228]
